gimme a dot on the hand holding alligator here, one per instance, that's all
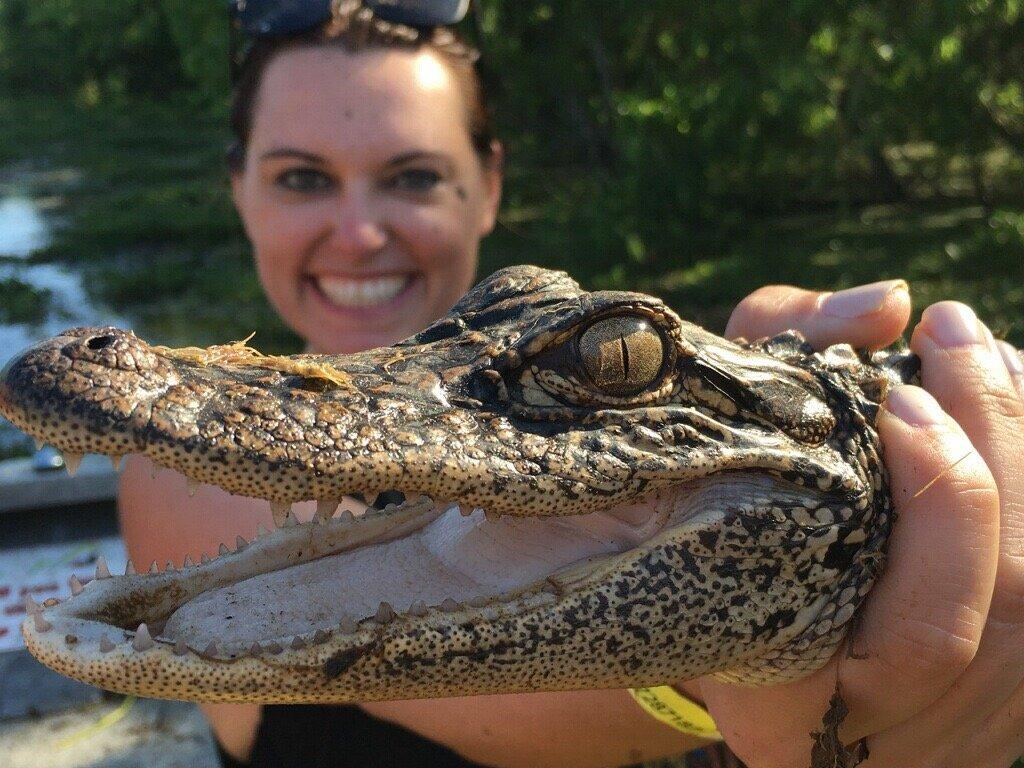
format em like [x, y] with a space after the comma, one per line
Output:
[933, 672]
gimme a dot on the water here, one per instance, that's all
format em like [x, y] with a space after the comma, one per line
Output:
[25, 228]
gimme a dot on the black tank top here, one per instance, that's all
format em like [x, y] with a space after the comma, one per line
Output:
[319, 736]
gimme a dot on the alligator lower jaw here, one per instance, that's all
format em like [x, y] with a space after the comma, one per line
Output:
[302, 595]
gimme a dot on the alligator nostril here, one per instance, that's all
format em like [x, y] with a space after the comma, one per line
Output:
[99, 342]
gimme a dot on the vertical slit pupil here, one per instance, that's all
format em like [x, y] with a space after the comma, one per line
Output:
[625, 357]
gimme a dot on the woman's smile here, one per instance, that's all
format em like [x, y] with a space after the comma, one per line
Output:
[374, 294]
[361, 291]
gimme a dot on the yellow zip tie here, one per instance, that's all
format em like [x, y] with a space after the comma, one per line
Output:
[103, 723]
[666, 704]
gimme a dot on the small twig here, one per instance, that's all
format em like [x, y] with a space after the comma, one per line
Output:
[941, 474]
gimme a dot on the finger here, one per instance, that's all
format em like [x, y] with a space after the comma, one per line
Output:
[921, 625]
[970, 372]
[964, 369]
[866, 316]
[923, 622]
[1013, 358]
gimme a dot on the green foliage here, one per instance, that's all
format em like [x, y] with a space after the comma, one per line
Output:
[93, 49]
[691, 117]
[110, 50]
[696, 149]
[23, 303]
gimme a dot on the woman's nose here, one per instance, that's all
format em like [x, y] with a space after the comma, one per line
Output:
[357, 228]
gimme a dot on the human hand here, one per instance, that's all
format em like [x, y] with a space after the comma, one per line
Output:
[935, 679]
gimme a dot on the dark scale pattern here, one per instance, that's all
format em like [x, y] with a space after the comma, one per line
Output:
[498, 405]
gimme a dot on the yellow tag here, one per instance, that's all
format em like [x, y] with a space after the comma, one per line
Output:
[664, 703]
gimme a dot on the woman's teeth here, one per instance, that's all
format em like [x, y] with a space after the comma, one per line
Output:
[366, 292]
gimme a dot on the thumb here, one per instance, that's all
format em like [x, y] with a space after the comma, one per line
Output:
[870, 316]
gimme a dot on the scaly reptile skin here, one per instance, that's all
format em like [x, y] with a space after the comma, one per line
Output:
[642, 501]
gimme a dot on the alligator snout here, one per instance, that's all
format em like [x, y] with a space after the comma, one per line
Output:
[102, 372]
[109, 347]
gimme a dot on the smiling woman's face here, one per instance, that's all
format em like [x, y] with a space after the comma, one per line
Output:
[362, 194]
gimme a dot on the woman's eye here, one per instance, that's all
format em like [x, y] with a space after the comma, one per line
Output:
[416, 180]
[304, 180]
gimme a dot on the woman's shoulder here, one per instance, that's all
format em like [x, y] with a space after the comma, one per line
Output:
[163, 519]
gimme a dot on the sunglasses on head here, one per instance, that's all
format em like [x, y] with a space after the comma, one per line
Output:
[254, 19]
[267, 18]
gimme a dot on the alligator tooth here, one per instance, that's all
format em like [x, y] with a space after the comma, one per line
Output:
[291, 520]
[142, 641]
[170, 567]
[240, 543]
[419, 608]
[39, 443]
[348, 625]
[449, 605]
[255, 649]
[320, 636]
[115, 462]
[465, 511]
[129, 568]
[325, 509]
[211, 649]
[298, 644]
[76, 585]
[193, 486]
[188, 562]
[280, 510]
[274, 648]
[222, 549]
[105, 645]
[262, 531]
[385, 613]
[71, 462]
[346, 516]
[154, 568]
[31, 606]
[42, 625]
[180, 648]
[204, 558]
[50, 602]
[102, 571]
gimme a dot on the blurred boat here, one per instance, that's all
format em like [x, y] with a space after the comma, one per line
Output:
[42, 481]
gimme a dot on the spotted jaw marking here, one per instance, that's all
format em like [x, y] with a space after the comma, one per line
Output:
[660, 503]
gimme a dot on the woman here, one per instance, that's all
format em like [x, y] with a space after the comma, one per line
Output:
[366, 175]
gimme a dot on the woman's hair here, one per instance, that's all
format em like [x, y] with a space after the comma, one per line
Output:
[355, 28]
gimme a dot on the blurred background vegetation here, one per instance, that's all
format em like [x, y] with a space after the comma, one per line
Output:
[695, 150]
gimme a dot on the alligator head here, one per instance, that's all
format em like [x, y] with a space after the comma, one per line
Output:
[597, 494]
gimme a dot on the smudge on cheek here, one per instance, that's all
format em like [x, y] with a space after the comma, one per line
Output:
[461, 192]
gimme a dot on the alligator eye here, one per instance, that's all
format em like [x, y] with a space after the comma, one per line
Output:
[621, 355]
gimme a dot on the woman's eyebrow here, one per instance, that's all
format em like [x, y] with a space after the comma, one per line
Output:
[298, 154]
[407, 157]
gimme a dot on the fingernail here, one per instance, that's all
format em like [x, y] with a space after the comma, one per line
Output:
[914, 406]
[952, 324]
[860, 301]
[1012, 358]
